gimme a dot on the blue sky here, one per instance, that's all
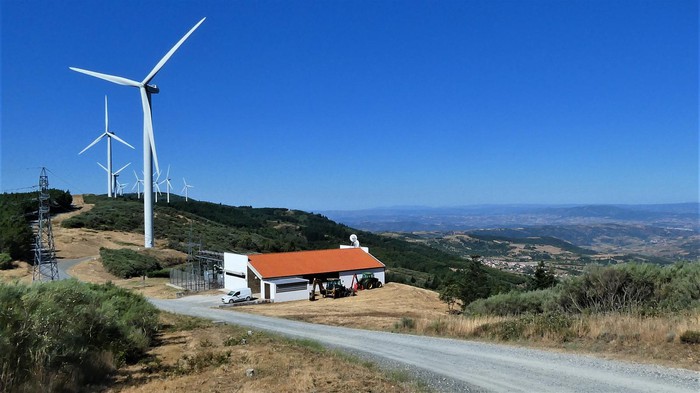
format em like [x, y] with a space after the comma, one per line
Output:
[356, 104]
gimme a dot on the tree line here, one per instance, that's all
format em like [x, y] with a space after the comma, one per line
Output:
[17, 211]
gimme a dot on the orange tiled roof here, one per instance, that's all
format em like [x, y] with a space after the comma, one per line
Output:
[312, 262]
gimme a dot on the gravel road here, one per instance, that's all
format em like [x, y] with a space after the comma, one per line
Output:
[462, 366]
[65, 264]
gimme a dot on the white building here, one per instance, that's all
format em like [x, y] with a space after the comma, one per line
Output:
[281, 277]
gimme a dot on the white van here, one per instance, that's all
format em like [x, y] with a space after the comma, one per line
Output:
[237, 295]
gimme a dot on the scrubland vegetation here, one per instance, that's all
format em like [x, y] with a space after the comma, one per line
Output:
[16, 212]
[125, 263]
[65, 335]
[647, 311]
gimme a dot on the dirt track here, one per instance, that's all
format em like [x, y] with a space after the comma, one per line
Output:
[458, 365]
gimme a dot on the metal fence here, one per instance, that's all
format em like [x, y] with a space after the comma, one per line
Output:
[203, 272]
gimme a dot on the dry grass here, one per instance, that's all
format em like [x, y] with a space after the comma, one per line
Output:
[94, 272]
[402, 308]
[200, 356]
[377, 309]
[22, 273]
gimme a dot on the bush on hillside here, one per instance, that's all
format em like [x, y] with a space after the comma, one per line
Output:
[5, 261]
[633, 287]
[690, 337]
[638, 288]
[127, 263]
[62, 335]
[515, 303]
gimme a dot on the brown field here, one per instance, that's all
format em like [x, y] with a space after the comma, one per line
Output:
[378, 309]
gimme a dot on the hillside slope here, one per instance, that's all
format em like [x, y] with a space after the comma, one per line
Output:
[245, 229]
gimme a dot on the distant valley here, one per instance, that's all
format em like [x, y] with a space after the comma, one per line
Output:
[515, 237]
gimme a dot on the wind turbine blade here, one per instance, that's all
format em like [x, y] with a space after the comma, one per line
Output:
[106, 116]
[122, 168]
[113, 135]
[148, 125]
[136, 176]
[167, 175]
[134, 186]
[114, 79]
[93, 143]
[103, 167]
[167, 56]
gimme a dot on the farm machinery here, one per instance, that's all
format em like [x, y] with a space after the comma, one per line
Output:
[368, 281]
[334, 288]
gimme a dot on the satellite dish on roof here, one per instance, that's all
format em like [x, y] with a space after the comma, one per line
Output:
[353, 240]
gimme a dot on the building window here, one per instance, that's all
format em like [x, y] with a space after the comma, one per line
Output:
[292, 287]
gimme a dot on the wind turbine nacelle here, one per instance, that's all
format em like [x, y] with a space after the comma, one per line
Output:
[153, 89]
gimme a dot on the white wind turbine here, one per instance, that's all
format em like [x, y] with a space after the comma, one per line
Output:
[168, 185]
[109, 136]
[120, 187]
[156, 185]
[115, 175]
[149, 146]
[186, 188]
[137, 185]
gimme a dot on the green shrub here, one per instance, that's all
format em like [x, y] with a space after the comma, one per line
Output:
[127, 263]
[406, 323]
[163, 273]
[690, 337]
[5, 261]
[59, 336]
[515, 303]
[633, 287]
[553, 325]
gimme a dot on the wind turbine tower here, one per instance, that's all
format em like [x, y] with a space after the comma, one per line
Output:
[115, 175]
[149, 146]
[137, 185]
[168, 185]
[186, 188]
[110, 185]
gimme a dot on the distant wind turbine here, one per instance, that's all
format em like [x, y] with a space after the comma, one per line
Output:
[109, 135]
[149, 146]
[137, 185]
[115, 175]
[157, 187]
[168, 185]
[120, 187]
[186, 188]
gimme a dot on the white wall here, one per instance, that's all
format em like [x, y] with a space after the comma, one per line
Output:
[346, 277]
[288, 296]
[365, 249]
[235, 263]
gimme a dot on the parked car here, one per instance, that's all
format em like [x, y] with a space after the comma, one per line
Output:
[237, 295]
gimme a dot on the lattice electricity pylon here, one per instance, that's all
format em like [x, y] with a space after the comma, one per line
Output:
[45, 267]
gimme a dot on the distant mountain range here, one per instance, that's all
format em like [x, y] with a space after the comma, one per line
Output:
[684, 216]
